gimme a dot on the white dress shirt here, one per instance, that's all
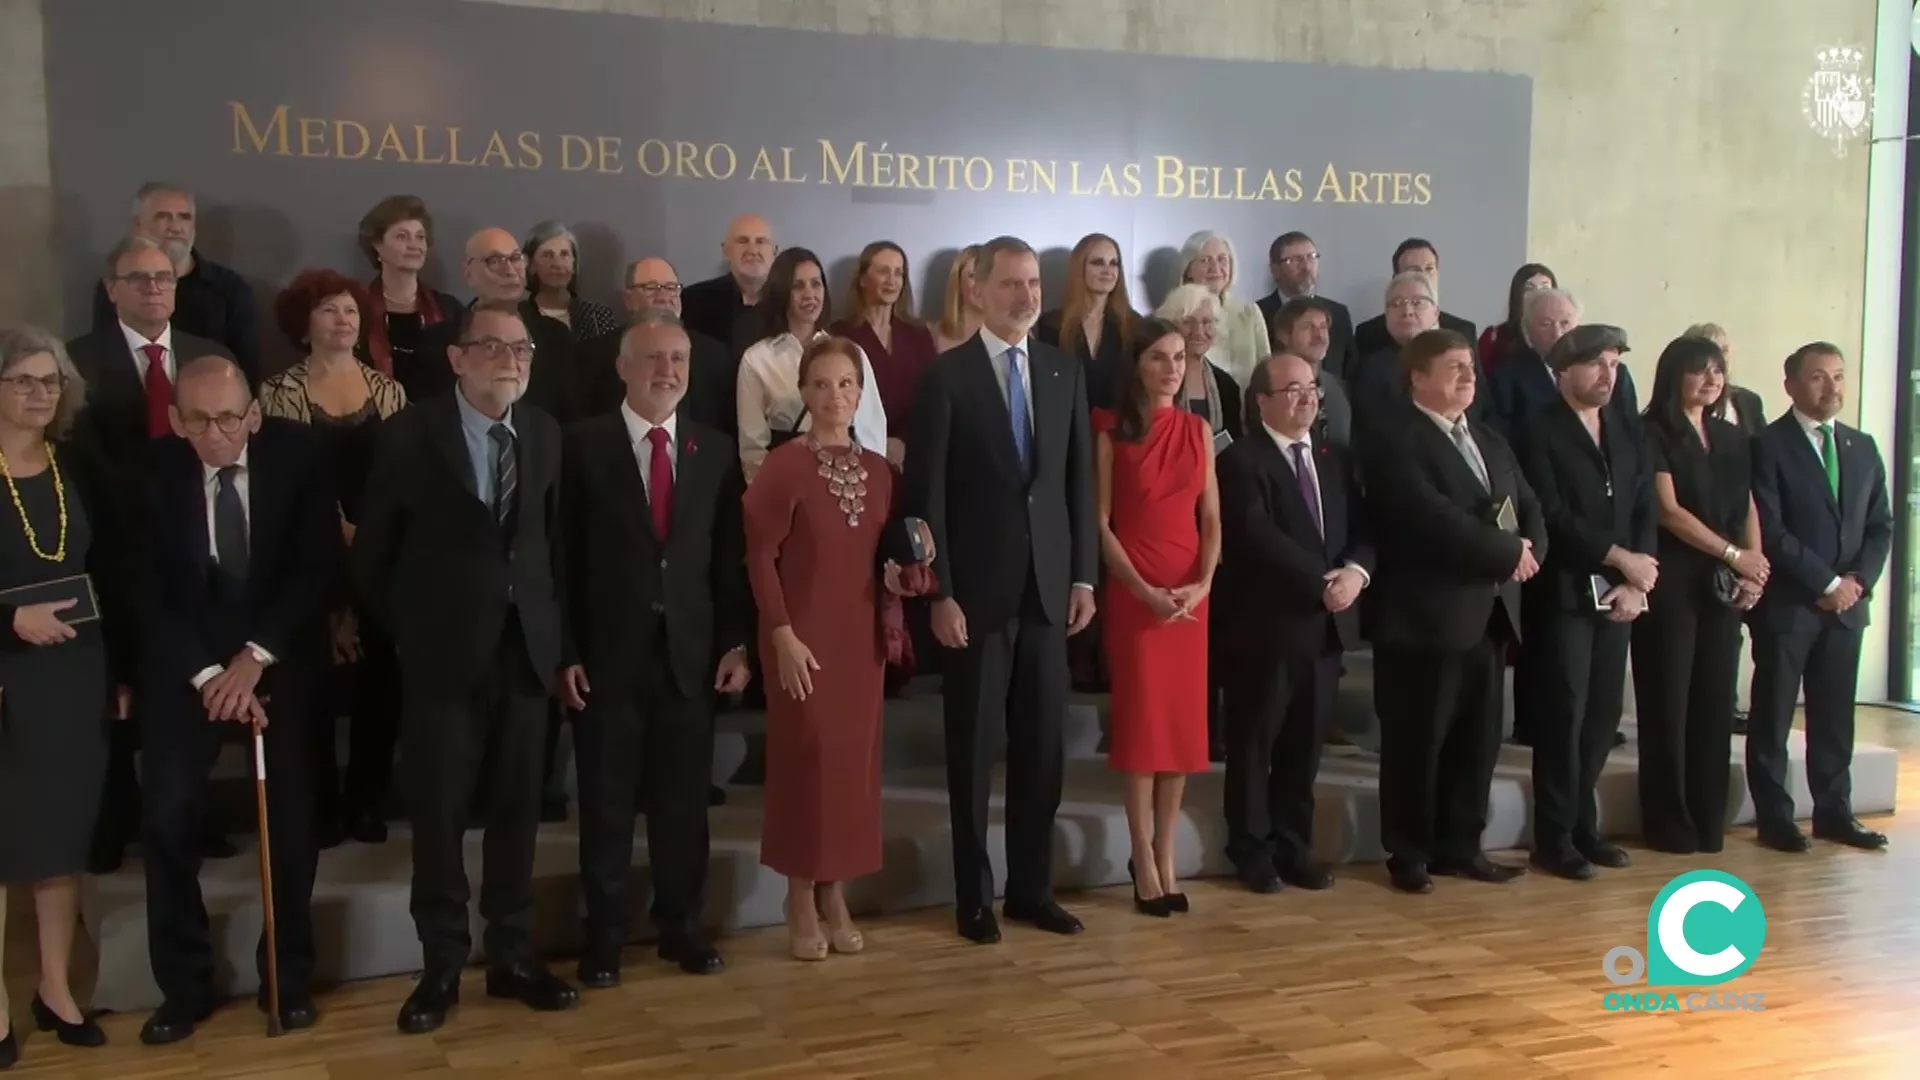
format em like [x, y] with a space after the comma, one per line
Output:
[210, 487]
[637, 429]
[137, 343]
[767, 396]
[1446, 428]
[997, 355]
[1286, 445]
[1811, 428]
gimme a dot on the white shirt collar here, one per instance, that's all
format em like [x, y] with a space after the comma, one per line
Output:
[136, 340]
[1285, 443]
[211, 475]
[638, 426]
[1807, 423]
[1446, 425]
[996, 347]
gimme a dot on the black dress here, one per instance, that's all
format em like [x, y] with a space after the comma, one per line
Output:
[53, 699]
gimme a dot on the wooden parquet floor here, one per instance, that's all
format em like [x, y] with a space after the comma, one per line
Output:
[1472, 981]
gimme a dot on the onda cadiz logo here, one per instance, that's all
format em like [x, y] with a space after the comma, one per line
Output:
[1705, 928]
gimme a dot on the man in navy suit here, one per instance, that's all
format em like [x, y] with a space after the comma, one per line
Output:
[1821, 489]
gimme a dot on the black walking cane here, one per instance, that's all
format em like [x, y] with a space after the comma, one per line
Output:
[258, 724]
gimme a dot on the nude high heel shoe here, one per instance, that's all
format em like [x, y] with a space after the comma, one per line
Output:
[808, 947]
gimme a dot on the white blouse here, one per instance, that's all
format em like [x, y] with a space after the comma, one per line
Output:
[768, 399]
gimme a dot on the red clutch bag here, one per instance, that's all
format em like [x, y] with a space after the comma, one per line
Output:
[917, 580]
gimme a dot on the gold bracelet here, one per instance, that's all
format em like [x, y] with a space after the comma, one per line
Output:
[1728, 556]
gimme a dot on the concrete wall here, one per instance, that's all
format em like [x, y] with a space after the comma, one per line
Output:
[1674, 177]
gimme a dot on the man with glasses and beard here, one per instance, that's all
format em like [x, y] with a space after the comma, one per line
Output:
[496, 270]
[1293, 261]
[212, 301]
[458, 555]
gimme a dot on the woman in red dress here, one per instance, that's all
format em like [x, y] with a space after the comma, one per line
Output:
[815, 518]
[1159, 514]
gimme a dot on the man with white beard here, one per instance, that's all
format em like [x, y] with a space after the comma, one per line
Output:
[211, 301]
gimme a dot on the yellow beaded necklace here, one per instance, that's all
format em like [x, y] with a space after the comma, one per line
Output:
[59, 493]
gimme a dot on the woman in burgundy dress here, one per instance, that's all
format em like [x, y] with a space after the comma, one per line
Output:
[1159, 514]
[829, 615]
[880, 320]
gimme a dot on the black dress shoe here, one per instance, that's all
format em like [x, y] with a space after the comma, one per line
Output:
[1851, 833]
[1478, 868]
[693, 952]
[1601, 853]
[1564, 863]
[426, 1008]
[533, 986]
[1409, 877]
[978, 925]
[600, 969]
[172, 1022]
[716, 795]
[1259, 877]
[84, 1033]
[1305, 876]
[9, 1051]
[1787, 838]
[1048, 916]
[367, 827]
[297, 1011]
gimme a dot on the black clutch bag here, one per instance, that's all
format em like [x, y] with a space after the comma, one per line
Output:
[1726, 585]
[79, 589]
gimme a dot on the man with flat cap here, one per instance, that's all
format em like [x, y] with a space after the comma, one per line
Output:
[1595, 489]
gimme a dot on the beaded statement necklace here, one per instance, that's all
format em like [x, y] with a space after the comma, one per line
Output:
[846, 478]
[26, 523]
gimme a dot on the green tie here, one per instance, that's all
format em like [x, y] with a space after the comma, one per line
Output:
[1830, 459]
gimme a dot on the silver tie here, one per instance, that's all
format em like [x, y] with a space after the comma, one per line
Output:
[1464, 442]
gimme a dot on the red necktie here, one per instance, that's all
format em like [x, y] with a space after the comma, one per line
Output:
[660, 484]
[159, 391]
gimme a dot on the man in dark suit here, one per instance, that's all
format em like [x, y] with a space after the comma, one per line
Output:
[130, 366]
[652, 285]
[1520, 388]
[1002, 471]
[458, 555]
[1821, 489]
[1293, 260]
[241, 556]
[1458, 531]
[210, 301]
[1415, 256]
[496, 270]
[656, 585]
[1296, 553]
[1377, 382]
[722, 308]
[1587, 468]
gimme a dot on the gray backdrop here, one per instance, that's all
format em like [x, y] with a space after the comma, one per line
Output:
[192, 91]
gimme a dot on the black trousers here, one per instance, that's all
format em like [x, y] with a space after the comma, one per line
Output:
[1686, 663]
[450, 745]
[1278, 713]
[179, 746]
[1827, 662]
[1439, 737]
[120, 798]
[367, 692]
[1011, 676]
[1576, 666]
[640, 737]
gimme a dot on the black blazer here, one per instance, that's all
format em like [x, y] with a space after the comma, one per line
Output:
[1372, 336]
[1747, 407]
[1443, 563]
[1591, 499]
[1810, 538]
[211, 302]
[1340, 350]
[116, 408]
[1521, 384]
[1376, 388]
[192, 616]
[1103, 369]
[1273, 560]
[431, 563]
[554, 385]
[711, 378]
[990, 524]
[713, 307]
[626, 586]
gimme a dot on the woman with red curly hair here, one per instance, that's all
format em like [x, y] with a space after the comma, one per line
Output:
[344, 401]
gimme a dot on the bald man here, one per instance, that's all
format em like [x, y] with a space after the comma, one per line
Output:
[652, 285]
[241, 561]
[722, 307]
[495, 269]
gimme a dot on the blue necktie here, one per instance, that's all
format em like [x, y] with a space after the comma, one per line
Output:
[1017, 405]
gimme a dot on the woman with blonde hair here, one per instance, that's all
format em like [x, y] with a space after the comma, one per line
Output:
[959, 314]
[1241, 342]
[879, 318]
[1096, 322]
[60, 643]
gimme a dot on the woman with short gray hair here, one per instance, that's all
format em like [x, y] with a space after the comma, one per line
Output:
[56, 659]
[1209, 390]
[1241, 342]
[553, 260]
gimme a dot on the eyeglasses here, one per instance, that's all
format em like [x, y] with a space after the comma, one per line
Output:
[1410, 304]
[1298, 391]
[495, 349]
[25, 385]
[652, 290]
[198, 423]
[160, 282]
[500, 263]
[1295, 262]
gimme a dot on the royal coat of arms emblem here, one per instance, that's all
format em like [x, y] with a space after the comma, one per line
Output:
[1838, 98]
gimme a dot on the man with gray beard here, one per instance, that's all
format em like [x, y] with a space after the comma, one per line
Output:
[210, 300]
[457, 554]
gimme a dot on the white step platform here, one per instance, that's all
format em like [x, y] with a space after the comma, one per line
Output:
[364, 930]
